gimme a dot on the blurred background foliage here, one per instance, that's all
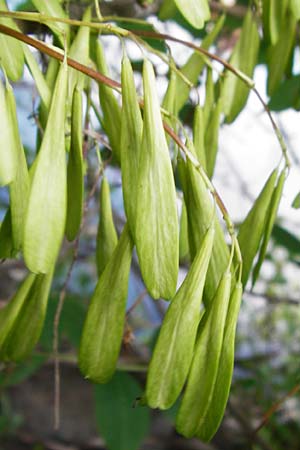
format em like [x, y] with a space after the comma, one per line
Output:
[264, 407]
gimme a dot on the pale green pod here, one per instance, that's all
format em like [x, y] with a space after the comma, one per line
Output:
[281, 51]
[211, 137]
[270, 220]
[107, 237]
[75, 170]
[156, 232]
[209, 96]
[37, 75]
[218, 401]
[198, 135]
[130, 141]
[174, 348]
[169, 103]
[195, 64]
[204, 369]
[273, 13]
[28, 325]
[19, 187]
[253, 227]
[244, 57]
[200, 212]
[295, 8]
[11, 50]
[196, 12]
[10, 312]
[184, 251]
[46, 212]
[8, 152]
[103, 328]
[110, 107]
[54, 8]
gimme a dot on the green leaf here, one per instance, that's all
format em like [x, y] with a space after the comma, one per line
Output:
[196, 12]
[286, 239]
[46, 212]
[287, 95]
[273, 14]
[104, 323]
[107, 237]
[253, 227]
[296, 202]
[6, 238]
[75, 170]
[244, 57]
[156, 231]
[174, 348]
[204, 369]
[295, 8]
[122, 425]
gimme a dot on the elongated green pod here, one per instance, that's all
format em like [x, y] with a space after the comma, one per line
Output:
[19, 187]
[28, 325]
[37, 75]
[174, 348]
[211, 137]
[273, 13]
[79, 51]
[204, 369]
[110, 107]
[107, 237]
[104, 323]
[54, 9]
[184, 251]
[200, 212]
[196, 12]
[6, 237]
[270, 220]
[198, 136]
[46, 212]
[218, 401]
[130, 142]
[209, 95]
[195, 64]
[8, 152]
[281, 51]
[156, 231]
[244, 56]
[170, 103]
[10, 312]
[11, 51]
[295, 8]
[253, 227]
[75, 170]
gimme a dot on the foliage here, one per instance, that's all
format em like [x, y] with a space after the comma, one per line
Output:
[164, 159]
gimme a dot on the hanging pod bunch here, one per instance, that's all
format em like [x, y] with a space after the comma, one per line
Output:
[75, 169]
[46, 211]
[23, 317]
[104, 323]
[174, 348]
[107, 237]
[156, 232]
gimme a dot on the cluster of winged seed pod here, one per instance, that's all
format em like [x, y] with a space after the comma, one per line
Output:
[194, 353]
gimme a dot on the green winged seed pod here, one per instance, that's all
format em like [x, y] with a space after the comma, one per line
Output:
[75, 170]
[217, 403]
[244, 57]
[200, 212]
[54, 9]
[253, 227]
[209, 95]
[196, 12]
[46, 212]
[10, 312]
[203, 373]
[184, 252]
[107, 237]
[110, 107]
[273, 13]
[271, 217]
[11, 50]
[211, 137]
[130, 142]
[170, 104]
[156, 232]
[195, 64]
[19, 187]
[174, 348]
[8, 151]
[28, 325]
[281, 51]
[104, 323]
[198, 136]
